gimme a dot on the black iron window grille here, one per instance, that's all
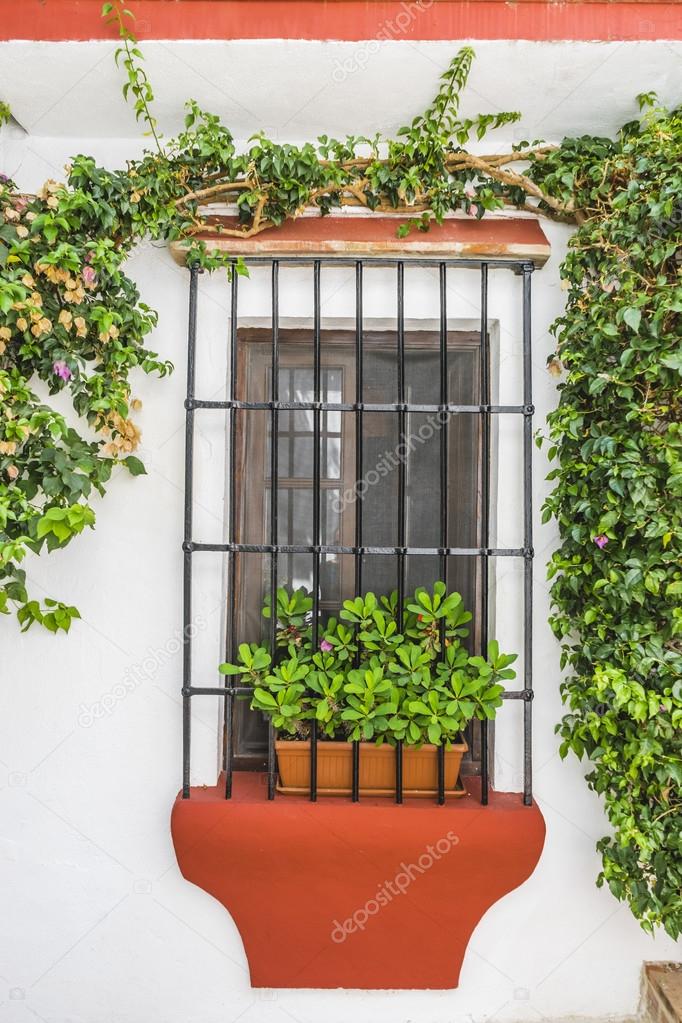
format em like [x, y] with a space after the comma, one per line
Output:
[318, 406]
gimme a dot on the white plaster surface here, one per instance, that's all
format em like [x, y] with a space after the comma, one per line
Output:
[98, 926]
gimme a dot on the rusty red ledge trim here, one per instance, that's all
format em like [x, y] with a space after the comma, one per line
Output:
[54, 20]
[290, 872]
[508, 238]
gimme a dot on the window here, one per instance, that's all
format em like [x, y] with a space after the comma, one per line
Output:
[358, 459]
[373, 487]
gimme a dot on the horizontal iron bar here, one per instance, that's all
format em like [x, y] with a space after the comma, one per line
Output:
[264, 548]
[517, 265]
[508, 694]
[235, 691]
[217, 691]
[330, 406]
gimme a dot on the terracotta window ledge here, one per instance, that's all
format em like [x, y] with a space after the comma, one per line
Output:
[508, 238]
[354, 895]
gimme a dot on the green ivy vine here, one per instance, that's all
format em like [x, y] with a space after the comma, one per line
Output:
[616, 444]
[72, 320]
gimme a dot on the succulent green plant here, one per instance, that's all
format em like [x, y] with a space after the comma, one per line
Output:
[367, 681]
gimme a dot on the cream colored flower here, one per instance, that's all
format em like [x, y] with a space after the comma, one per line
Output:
[43, 326]
[66, 319]
[22, 324]
[12, 471]
[81, 326]
[8, 447]
[125, 435]
[49, 188]
[22, 231]
[56, 275]
[5, 333]
[76, 294]
[28, 281]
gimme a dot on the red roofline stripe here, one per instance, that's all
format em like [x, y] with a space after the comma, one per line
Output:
[58, 20]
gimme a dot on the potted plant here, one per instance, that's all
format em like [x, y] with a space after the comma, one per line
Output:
[370, 681]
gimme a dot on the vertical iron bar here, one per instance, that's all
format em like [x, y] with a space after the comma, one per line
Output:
[316, 506]
[231, 643]
[274, 506]
[399, 771]
[444, 425]
[187, 540]
[359, 426]
[527, 541]
[359, 390]
[402, 465]
[441, 774]
[355, 796]
[485, 510]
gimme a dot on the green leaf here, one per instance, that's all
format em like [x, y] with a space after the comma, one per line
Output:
[632, 317]
[134, 466]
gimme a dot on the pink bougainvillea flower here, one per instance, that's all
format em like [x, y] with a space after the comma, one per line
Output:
[601, 541]
[62, 370]
[473, 210]
[89, 275]
[326, 646]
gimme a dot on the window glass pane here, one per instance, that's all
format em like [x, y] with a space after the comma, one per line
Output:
[378, 487]
[302, 385]
[331, 469]
[330, 512]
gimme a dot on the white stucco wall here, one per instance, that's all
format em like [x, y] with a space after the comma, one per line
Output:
[98, 926]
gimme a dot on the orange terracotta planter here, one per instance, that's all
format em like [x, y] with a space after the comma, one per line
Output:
[377, 769]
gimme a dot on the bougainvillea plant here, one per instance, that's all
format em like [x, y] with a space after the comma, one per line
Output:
[72, 321]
